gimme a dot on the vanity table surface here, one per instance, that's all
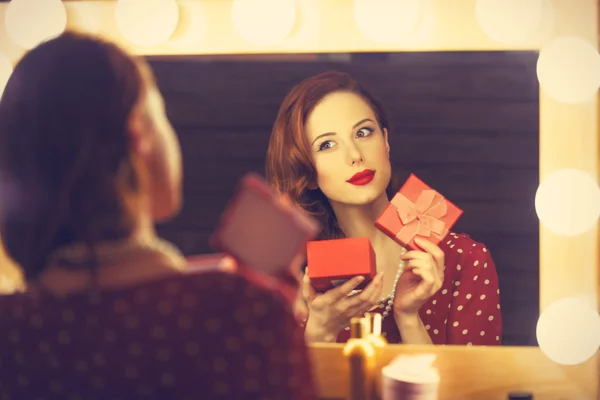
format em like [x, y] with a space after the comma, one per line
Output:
[473, 373]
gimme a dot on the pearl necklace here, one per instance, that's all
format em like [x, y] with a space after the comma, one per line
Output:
[79, 253]
[390, 297]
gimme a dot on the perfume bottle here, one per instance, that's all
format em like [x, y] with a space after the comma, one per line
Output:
[360, 353]
[373, 330]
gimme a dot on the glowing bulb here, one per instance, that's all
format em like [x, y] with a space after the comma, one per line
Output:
[567, 202]
[308, 21]
[30, 22]
[568, 331]
[387, 21]
[5, 71]
[87, 19]
[191, 27]
[509, 21]
[568, 70]
[147, 22]
[263, 22]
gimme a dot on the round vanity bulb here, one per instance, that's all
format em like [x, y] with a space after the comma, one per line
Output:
[568, 331]
[31, 22]
[147, 22]
[6, 69]
[191, 27]
[567, 202]
[387, 21]
[509, 21]
[263, 22]
[568, 70]
[87, 19]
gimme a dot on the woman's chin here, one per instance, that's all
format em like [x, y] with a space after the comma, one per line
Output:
[363, 199]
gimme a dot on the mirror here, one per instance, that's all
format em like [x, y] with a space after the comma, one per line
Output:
[467, 123]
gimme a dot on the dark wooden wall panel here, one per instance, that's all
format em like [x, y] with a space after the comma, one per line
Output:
[466, 123]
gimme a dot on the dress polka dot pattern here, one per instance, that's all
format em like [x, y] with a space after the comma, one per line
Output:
[466, 309]
[177, 338]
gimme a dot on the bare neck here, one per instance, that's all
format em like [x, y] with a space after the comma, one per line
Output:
[141, 264]
[359, 220]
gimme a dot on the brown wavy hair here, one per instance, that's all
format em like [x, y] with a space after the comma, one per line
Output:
[289, 165]
[64, 148]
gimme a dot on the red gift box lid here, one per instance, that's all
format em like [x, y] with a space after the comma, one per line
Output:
[261, 231]
[340, 257]
[427, 212]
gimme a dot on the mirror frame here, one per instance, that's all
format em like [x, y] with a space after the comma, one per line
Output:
[568, 139]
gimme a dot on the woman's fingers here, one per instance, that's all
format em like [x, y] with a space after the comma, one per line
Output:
[433, 250]
[430, 282]
[342, 291]
[366, 295]
[308, 292]
[377, 293]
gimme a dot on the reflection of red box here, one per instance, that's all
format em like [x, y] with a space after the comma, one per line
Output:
[209, 262]
[417, 210]
[331, 262]
[261, 231]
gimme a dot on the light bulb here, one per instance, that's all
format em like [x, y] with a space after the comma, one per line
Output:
[568, 331]
[147, 22]
[567, 202]
[387, 21]
[509, 21]
[263, 22]
[568, 70]
[30, 22]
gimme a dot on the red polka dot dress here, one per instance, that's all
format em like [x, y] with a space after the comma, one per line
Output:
[203, 336]
[466, 309]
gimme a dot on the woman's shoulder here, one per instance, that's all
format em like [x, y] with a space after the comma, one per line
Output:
[461, 244]
[220, 284]
[461, 250]
[203, 290]
[221, 269]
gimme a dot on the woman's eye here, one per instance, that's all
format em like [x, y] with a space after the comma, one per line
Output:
[326, 145]
[364, 132]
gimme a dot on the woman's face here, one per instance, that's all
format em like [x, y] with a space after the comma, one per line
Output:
[159, 148]
[349, 149]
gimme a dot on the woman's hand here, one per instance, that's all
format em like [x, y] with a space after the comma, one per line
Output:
[331, 311]
[422, 277]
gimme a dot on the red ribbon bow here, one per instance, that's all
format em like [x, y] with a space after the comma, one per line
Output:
[421, 218]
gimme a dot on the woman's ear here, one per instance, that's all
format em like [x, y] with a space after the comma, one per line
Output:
[138, 131]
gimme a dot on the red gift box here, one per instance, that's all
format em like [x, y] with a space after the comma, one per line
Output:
[417, 210]
[332, 262]
[258, 229]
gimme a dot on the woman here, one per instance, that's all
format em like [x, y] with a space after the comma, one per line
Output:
[108, 312]
[329, 152]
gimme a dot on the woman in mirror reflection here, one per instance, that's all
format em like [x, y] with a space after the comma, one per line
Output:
[328, 129]
[109, 310]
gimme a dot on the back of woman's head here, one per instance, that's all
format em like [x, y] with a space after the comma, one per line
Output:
[65, 149]
[289, 165]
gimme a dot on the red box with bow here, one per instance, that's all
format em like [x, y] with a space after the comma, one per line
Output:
[417, 210]
[260, 230]
[332, 262]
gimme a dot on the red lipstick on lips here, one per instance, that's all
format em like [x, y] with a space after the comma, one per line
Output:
[362, 178]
